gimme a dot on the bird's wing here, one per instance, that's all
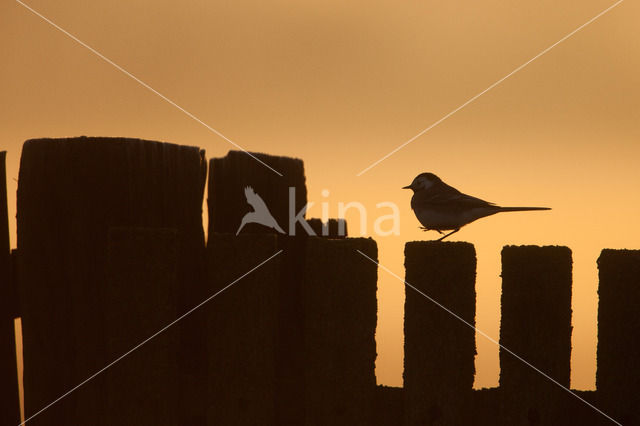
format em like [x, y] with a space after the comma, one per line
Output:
[473, 201]
[446, 196]
[254, 200]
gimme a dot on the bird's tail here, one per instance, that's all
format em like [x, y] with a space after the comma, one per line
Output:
[522, 209]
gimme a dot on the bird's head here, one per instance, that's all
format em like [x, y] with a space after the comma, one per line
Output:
[423, 181]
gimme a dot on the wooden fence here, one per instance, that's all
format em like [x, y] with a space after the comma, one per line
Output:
[111, 250]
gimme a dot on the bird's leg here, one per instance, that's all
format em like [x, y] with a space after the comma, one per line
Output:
[425, 229]
[452, 232]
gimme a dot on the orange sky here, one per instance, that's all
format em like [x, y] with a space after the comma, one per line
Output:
[340, 84]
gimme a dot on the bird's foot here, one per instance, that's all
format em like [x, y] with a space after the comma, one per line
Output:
[445, 236]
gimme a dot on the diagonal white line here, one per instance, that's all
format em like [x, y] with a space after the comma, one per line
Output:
[142, 83]
[121, 357]
[490, 338]
[372, 165]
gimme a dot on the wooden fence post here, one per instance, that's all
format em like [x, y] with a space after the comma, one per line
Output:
[339, 335]
[535, 325]
[71, 192]
[439, 349]
[9, 402]
[618, 375]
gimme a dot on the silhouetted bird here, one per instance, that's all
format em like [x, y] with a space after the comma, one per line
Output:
[440, 207]
[260, 213]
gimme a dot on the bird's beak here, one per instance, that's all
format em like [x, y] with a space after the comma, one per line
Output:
[406, 187]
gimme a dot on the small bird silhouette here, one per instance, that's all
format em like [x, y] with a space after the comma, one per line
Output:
[440, 207]
[260, 213]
